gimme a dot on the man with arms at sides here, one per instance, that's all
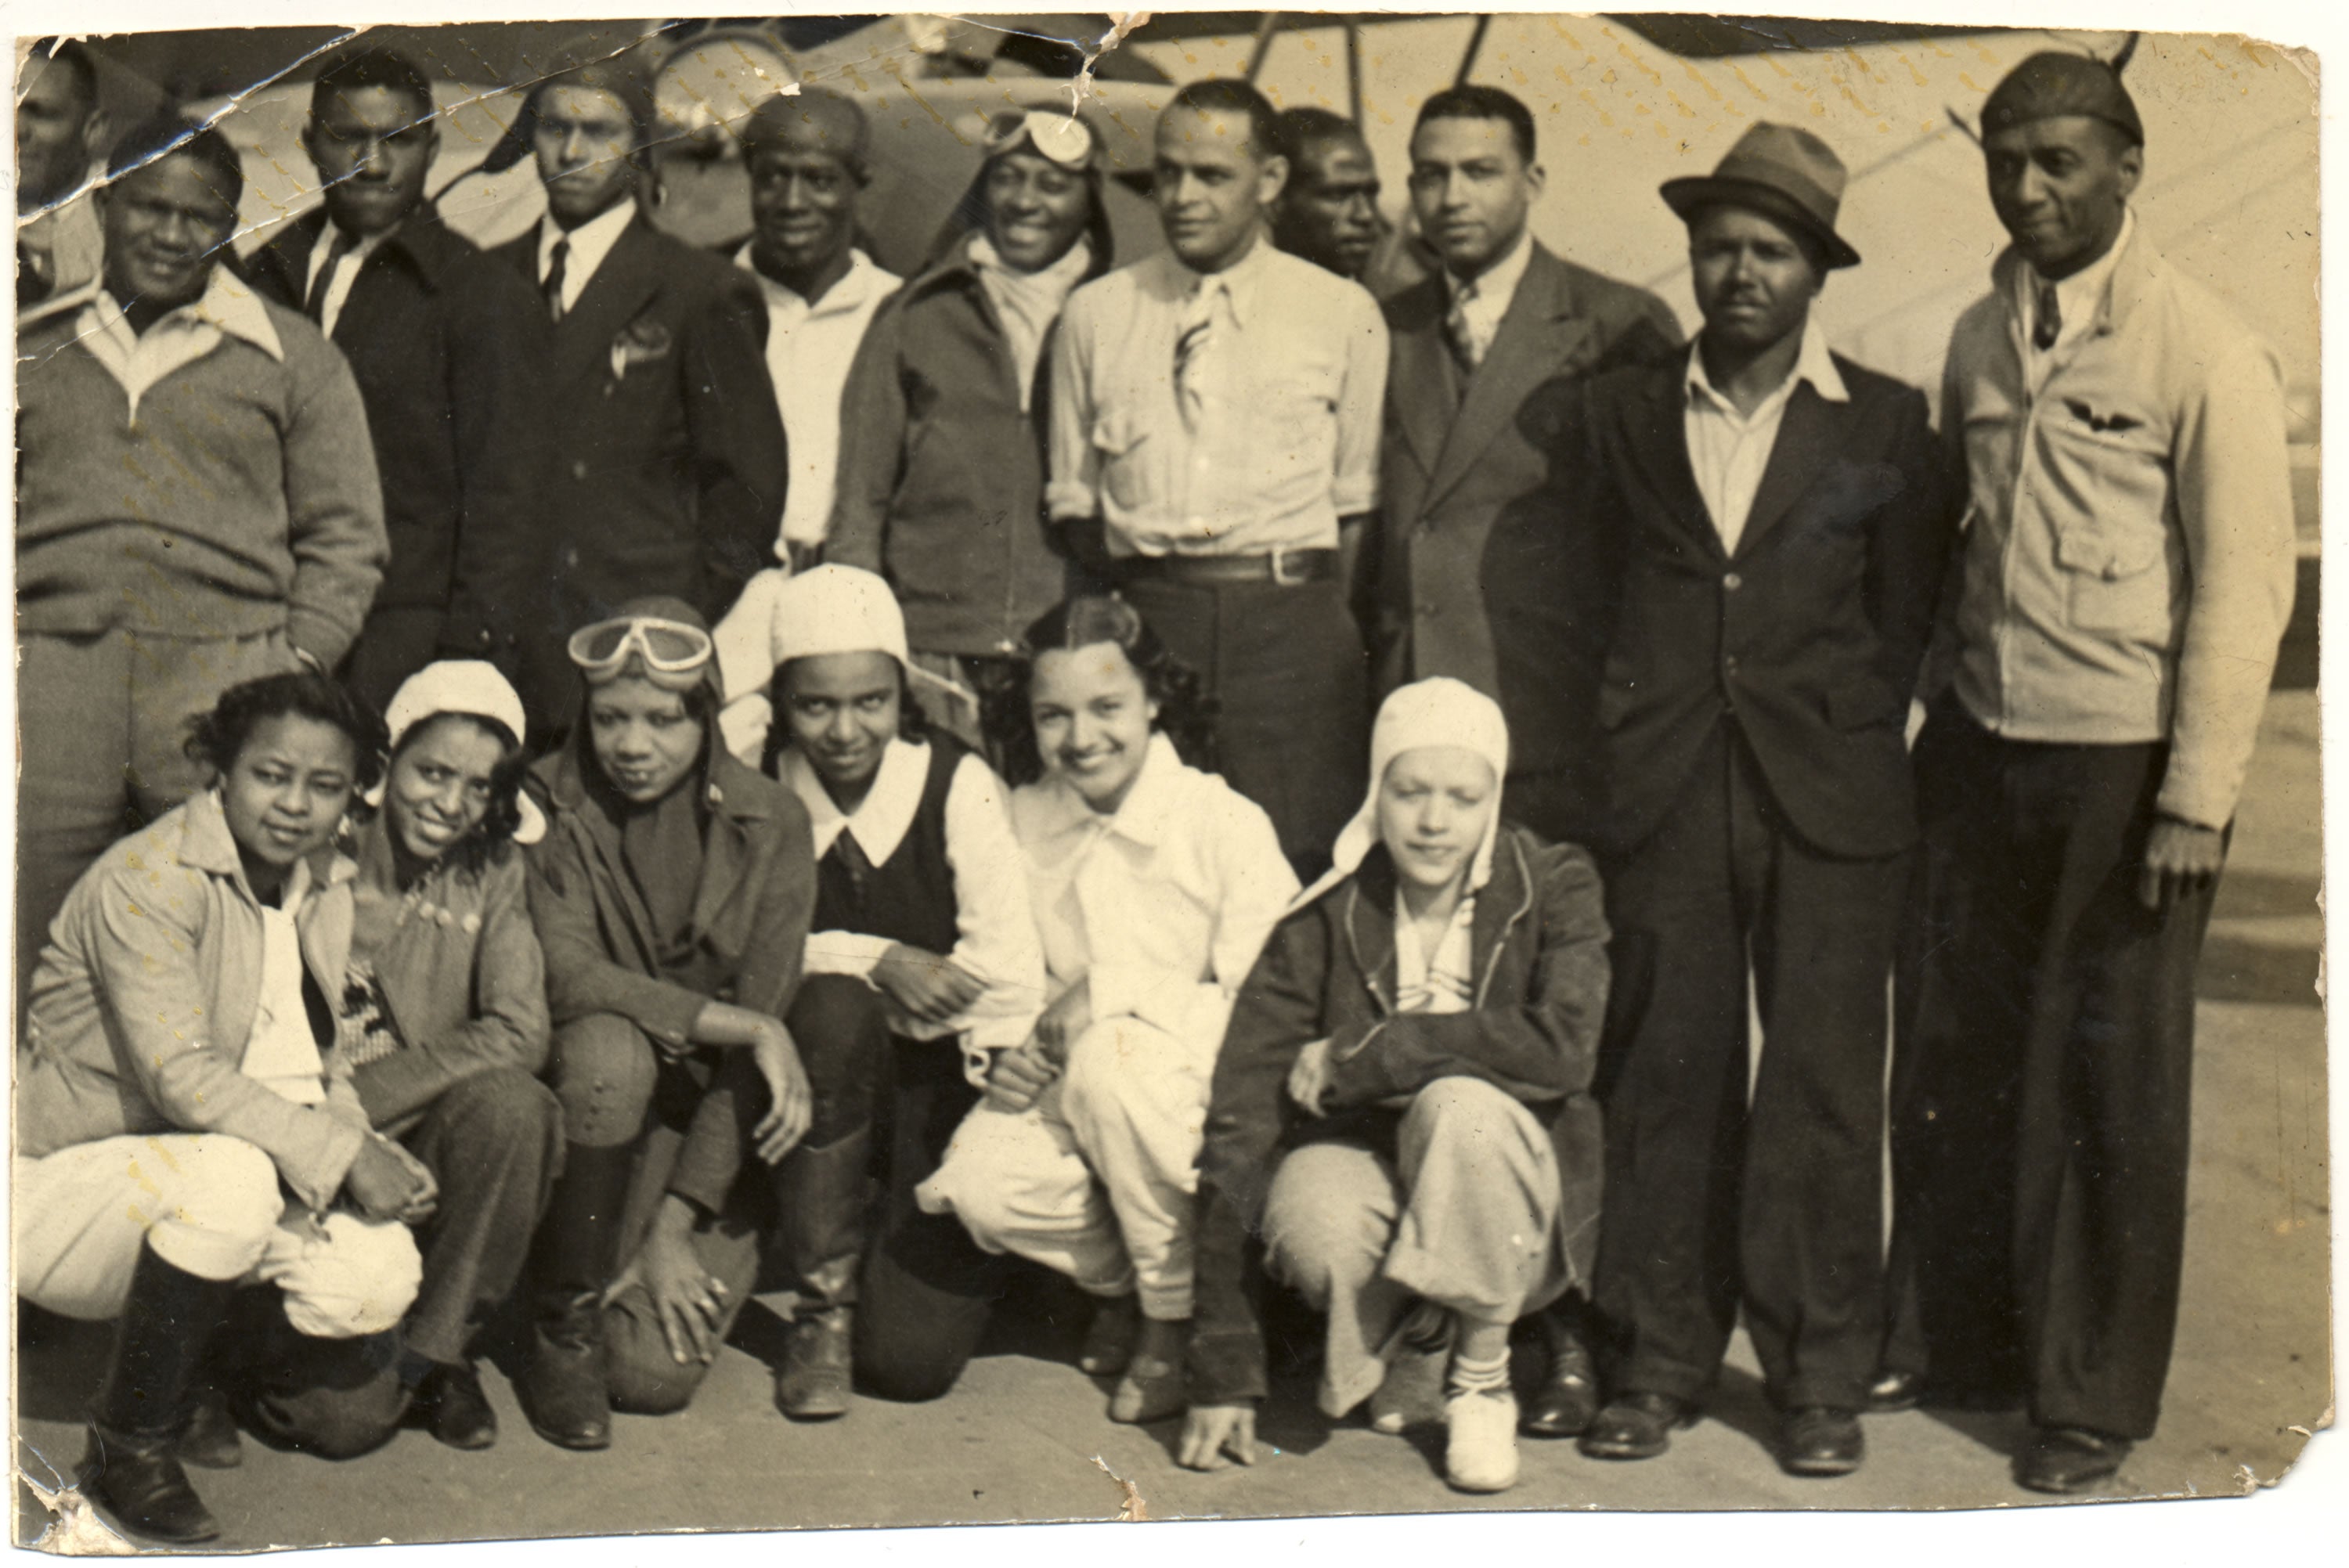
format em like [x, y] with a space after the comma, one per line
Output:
[666, 459]
[1329, 212]
[2124, 579]
[450, 351]
[1469, 580]
[60, 131]
[1786, 519]
[196, 506]
[1215, 411]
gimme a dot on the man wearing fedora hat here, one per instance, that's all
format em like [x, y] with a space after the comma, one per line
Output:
[1779, 520]
[2127, 574]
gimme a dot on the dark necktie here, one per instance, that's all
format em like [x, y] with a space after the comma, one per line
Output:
[2047, 321]
[855, 861]
[314, 308]
[552, 287]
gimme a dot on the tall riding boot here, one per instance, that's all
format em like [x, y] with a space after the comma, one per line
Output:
[821, 1195]
[132, 1467]
[563, 1390]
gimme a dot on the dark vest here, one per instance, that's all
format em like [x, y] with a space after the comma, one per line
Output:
[909, 897]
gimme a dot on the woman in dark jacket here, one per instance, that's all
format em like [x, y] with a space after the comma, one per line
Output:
[941, 473]
[1401, 1109]
[672, 896]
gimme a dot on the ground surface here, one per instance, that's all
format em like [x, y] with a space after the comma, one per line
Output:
[1019, 1439]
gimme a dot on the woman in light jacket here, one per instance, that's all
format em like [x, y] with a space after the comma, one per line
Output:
[443, 1024]
[1401, 1109]
[180, 1130]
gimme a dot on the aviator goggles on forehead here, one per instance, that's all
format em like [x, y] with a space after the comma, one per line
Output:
[667, 647]
[1062, 138]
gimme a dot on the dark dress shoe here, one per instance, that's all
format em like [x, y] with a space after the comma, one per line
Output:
[1819, 1439]
[2070, 1459]
[450, 1406]
[138, 1479]
[1567, 1401]
[563, 1390]
[1893, 1392]
[1637, 1425]
[813, 1383]
[209, 1439]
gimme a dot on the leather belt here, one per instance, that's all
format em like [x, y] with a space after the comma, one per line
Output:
[1287, 568]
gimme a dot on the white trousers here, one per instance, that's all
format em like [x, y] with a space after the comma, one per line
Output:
[209, 1206]
[1096, 1179]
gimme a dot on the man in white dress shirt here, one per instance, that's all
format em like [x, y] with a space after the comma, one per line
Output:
[1215, 414]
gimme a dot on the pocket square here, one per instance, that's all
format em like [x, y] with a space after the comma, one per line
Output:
[639, 343]
[2114, 423]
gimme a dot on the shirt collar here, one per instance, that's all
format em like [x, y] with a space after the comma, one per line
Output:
[590, 243]
[1813, 363]
[225, 304]
[1498, 282]
[2078, 296]
[1238, 282]
[857, 287]
[882, 819]
[1143, 816]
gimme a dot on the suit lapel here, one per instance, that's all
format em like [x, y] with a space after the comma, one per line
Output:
[613, 297]
[1808, 437]
[1421, 378]
[1657, 439]
[1537, 339]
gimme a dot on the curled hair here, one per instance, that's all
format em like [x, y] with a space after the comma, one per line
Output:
[1186, 712]
[491, 840]
[216, 738]
[1230, 96]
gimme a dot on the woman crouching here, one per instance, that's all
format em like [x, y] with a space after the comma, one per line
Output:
[173, 1093]
[672, 895]
[1402, 1110]
[1154, 885]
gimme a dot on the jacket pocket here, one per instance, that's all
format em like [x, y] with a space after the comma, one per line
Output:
[2115, 580]
[1863, 703]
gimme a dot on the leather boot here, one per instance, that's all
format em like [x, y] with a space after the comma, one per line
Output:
[563, 1390]
[821, 1195]
[132, 1467]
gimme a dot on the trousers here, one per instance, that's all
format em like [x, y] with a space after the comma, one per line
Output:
[1462, 1212]
[105, 719]
[1097, 1179]
[1290, 680]
[1713, 1200]
[210, 1205]
[2041, 1097]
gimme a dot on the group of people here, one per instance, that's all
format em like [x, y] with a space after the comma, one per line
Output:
[659, 775]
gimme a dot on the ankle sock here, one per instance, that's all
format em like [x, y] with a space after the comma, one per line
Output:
[1468, 1376]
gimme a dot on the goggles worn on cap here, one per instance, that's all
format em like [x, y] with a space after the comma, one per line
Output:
[668, 647]
[1062, 138]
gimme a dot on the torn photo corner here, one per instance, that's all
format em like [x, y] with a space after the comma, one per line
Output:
[1629, 370]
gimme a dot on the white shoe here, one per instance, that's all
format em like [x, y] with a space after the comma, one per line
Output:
[1480, 1453]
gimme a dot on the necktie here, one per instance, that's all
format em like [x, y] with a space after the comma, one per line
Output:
[856, 863]
[1459, 333]
[2047, 321]
[552, 287]
[1190, 355]
[314, 308]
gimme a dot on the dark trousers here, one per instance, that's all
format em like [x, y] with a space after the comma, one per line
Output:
[2041, 1107]
[1712, 1202]
[928, 1292]
[1291, 683]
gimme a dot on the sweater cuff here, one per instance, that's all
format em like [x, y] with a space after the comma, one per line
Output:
[318, 1172]
[319, 636]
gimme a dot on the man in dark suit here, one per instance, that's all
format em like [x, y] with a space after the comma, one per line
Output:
[1783, 518]
[667, 454]
[1468, 580]
[450, 351]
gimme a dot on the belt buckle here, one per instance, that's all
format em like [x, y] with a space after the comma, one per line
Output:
[1280, 572]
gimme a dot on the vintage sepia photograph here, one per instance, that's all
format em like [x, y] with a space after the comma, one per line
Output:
[918, 769]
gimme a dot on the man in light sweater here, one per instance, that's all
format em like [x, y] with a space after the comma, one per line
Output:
[197, 505]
